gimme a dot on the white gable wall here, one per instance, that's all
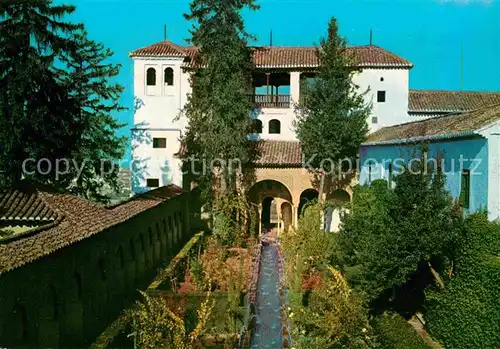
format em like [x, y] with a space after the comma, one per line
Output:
[492, 134]
[159, 105]
[396, 86]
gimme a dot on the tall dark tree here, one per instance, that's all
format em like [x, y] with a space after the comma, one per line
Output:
[55, 99]
[88, 78]
[331, 122]
[31, 37]
[219, 109]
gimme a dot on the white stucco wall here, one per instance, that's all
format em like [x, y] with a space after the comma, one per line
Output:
[159, 105]
[492, 134]
[396, 84]
[286, 116]
[157, 116]
[159, 163]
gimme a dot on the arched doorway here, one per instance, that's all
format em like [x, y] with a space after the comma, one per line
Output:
[333, 215]
[269, 196]
[306, 197]
[269, 217]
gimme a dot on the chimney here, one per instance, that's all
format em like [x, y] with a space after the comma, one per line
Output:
[271, 38]
[165, 32]
[371, 37]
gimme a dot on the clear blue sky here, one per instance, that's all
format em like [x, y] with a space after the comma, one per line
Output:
[429, 33]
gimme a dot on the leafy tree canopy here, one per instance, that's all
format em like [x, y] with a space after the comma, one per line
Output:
[391, 235]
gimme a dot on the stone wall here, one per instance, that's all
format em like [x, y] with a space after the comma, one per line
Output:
[68, 297]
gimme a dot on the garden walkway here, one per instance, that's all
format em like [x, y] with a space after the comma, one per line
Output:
[268, 328]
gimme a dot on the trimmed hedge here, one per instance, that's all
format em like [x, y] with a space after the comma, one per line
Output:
[393, 332]
[467, 313]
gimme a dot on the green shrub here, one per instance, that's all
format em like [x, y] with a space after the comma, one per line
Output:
[467, 313]
[390, 237]
[196, 272]
[393, 332]
[307, 249]
[335, 318]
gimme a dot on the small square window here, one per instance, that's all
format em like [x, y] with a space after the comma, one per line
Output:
[153, 182]
[159, 142]
[374, 120]
[381, 96]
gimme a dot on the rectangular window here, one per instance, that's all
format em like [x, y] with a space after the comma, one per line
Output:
[153, 182]
[465, 189]
[374, 120]
[159, 142]
[389, 179]
[369, 173]
[381, 96]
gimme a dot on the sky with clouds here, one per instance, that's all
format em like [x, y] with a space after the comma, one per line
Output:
[429, 33]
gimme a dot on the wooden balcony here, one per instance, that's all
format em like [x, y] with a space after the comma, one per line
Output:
[270, 101]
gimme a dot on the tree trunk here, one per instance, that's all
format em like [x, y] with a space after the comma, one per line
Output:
[436, 276]
[321, 187]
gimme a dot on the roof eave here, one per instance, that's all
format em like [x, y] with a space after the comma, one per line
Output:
[304, 67]
[422, 138]
[146, 56]
[384, 65]
[434, 111]
[278, 165]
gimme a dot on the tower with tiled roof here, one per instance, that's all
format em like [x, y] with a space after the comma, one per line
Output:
[161, 87]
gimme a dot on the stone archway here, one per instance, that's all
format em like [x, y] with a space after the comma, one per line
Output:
[306, 197]
[270, 196]
[333, 215]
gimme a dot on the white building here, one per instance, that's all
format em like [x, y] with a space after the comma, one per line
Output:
[162, 84]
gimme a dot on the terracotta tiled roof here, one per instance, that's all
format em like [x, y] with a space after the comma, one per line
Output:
[24, 205]
[304, 57]
[272, 153]
[279, 153]
[449, 126]
[424, 101]
[163, 48]
[77, 219]
[285, 57]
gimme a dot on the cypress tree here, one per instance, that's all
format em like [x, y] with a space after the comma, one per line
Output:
[87, 76]
[55, 100]
[331, 122]
[219, 109]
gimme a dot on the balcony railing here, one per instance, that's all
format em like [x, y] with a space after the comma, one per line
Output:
[271, 101]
